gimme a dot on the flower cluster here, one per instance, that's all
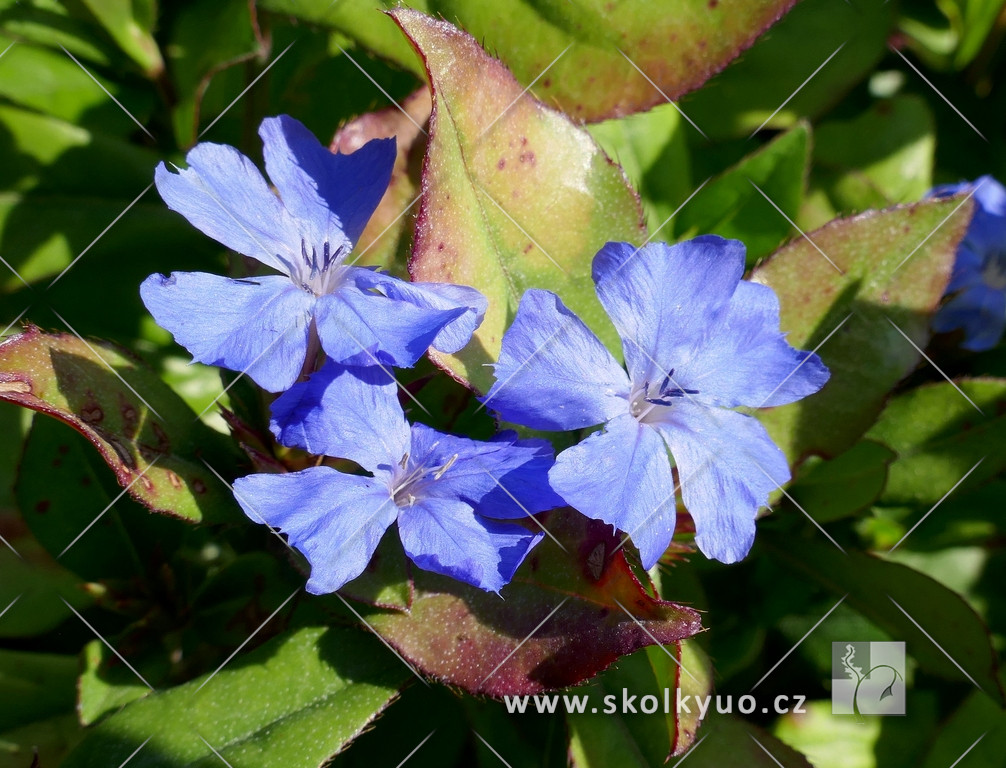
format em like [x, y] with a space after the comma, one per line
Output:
[698, 342]
[978, 283]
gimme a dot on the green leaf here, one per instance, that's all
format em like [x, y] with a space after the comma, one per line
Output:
[765, 85]
[875, 588]
[52, 739]
[731, 206]
[679, 44]
[144, 431]
[894, 268]
[296, 701]
[940, 436]
[482, 221]
[826, 740]
[731, 743]
[207, 37]
[106, 685]
[977, 717]
[53, 23]
[849, 483]
[34, 686]
[652, 149]
[602, 738]
[132, 34]
[894, 166]
[473, 640]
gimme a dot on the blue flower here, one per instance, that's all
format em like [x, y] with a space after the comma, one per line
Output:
[979, 276]
[698, 341]
[449, 495]
[266, 325]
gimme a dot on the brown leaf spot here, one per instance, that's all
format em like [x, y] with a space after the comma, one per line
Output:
[163, 441]
[527, 157]
[85, 481]
[198, 486]
[501, 163]
[92, 414]
[528, 247]
[130, 417]
[63, 450]
[175, 480]
[713, 4]
[43, 506]
[148, 484]
[547, 82]
[440, 246]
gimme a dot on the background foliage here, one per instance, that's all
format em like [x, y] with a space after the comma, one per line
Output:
[900, 96]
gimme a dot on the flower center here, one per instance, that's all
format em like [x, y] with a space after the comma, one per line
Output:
[994, 270]
[410, 476]
[320, 273]
[647, 401]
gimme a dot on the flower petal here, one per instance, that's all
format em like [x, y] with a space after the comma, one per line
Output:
[445, 297]
[980, 311]
[360, 325]
[967, 271]
[988, 226]
[225, 196]
[347, 412]
[335, 520]
[502, 478]
[333, 194]
[446, 536]
[257, 325]
[623, 477]
[663, 299]
[553, 372]
[747, 361]
[727, 466]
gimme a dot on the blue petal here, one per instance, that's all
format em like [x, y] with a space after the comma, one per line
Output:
[747, 361]
[257, 325]
[967, 271]
[504, 478]
[727, 466]
[224, 196]
[360, 325]
[446, 536]
[623, 477]
[335, 520]
[553, 372]
[980, 311]
[664, 298]
[333, 194]
[444, 297]
[988, 226]
[348, 412]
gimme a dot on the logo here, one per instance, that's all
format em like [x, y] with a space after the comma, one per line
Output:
[867, 678]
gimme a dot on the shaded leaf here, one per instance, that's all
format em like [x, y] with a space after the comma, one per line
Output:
[735, 743]
[607, 735]
[130, 23]
[469, 638]
[894, 166]
[894, 268]
[765, 85]
[679, 44]
[155, 450]
[977, 717]
[34, 686]
[731, 206]
[494, 155]
[874, 586]
[295, 701]
[40, 744]
[939, 436]
[845, 485]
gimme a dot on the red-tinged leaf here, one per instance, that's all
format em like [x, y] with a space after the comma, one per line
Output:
[514, 195]
[146, 433]
[385, 240]
[889, 270]
[567, 615]
[571, 53]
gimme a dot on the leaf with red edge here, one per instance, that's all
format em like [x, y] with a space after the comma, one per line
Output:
[514, 195]
[887, 272]
[144, 431]
[570, 53]
[570, 611]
